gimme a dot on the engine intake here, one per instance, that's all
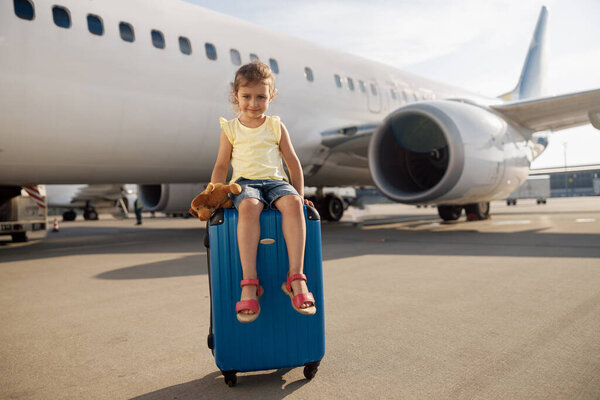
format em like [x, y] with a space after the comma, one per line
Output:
[447, 152]
[416, 154]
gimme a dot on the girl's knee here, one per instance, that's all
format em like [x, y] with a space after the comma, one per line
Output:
[289, 203]
[250, 206]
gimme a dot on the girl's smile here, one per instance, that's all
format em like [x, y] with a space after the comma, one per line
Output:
[253, 101]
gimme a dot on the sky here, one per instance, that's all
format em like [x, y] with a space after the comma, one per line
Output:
[474, 44]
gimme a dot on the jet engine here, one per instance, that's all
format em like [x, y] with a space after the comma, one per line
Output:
[448, 153]
[172, 198]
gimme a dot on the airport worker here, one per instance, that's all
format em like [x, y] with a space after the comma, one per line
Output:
[138, 210]
[254, 144]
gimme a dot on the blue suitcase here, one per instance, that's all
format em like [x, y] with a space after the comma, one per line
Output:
[280, 337]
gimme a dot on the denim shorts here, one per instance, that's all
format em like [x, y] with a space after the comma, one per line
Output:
[265, 190]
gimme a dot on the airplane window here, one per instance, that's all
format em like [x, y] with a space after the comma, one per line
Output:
[95, 25]
[211, 51]
[253, 57]
[393, 92]
[338, 80]
[404, 96]
[308, 74]
[415, 97]
[61, 17]
[126, 31]
[24, 9]
[184, 45]
[274, 66]
[362, 86]
[158, 39]
[350, 84]
[236, 59]
[373, 90]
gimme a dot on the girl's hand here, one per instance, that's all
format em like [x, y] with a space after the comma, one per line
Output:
[308, 203]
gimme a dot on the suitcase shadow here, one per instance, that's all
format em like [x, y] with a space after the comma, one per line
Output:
[254, 385]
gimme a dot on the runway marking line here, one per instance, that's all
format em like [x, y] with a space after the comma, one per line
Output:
[519, 222]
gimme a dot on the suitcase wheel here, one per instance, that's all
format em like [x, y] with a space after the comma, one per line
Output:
[310, 369]
[230, 378]
[209, 341]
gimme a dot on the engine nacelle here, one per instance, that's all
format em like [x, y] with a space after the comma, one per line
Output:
[448, 152]
[169, 198]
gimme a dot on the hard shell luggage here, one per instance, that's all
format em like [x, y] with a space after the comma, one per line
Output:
[280, 337]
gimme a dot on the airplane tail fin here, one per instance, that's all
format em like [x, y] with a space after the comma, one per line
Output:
[533, 76]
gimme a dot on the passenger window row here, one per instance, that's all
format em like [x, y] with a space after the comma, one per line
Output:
[24, 9]
[339, 82]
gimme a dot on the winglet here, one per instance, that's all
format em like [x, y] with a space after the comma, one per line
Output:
[533, 76]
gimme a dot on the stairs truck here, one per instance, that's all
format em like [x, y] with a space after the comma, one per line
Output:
[535, 187]
[22, 210]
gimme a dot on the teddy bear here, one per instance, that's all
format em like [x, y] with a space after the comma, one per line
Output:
[213, 197]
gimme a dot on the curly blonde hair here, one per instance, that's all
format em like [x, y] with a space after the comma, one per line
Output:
[252, 73]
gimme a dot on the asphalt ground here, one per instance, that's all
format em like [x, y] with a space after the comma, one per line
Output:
[507, 308]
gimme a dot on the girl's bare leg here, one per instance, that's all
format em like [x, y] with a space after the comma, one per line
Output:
[248, 234]
[294, 232]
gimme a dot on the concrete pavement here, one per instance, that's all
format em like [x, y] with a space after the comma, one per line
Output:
[415, 309]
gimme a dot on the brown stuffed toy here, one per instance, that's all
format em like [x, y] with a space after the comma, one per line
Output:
[215, 196]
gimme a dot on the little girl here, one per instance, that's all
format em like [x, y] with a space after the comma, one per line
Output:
[255, 143]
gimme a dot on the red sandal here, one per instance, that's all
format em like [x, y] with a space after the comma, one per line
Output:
[251, 305]
[301, 298]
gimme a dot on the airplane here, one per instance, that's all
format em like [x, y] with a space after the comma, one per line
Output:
[115, 199]
[131, 91]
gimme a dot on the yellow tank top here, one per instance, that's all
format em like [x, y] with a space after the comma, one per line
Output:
[256, 153]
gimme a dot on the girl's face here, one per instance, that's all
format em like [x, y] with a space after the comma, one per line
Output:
[254, 100]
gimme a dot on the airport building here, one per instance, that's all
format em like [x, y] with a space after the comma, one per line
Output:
[572, 181]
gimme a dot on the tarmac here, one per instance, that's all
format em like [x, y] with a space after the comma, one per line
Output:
[506, 308]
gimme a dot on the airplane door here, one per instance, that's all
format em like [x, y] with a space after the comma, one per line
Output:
[374, 97]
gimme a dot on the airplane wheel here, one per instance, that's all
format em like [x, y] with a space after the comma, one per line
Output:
[477, 211]
[19, 237]
[91, 215]
[449, 213]
[333, 207]
[69, 215]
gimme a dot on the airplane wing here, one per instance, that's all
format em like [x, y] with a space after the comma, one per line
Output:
[554, 113]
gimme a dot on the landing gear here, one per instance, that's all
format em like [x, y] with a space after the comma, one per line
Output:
[330, 207]
[19, 237]
[90, 214]
[69, 215]
[477, 211]
[449, 213]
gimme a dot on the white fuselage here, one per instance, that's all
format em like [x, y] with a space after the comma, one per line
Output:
[81, 108]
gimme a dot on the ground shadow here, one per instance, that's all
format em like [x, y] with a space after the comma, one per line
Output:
[415, 237]
[185, 266]
[269, 385]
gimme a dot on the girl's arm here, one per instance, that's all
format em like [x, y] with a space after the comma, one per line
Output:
[219, 173]
[293, 163]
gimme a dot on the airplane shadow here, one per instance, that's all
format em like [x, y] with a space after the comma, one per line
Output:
[185, 266]
[259, 385]
[417, 237]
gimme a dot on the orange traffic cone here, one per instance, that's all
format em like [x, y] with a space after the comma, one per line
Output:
[55, 225]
